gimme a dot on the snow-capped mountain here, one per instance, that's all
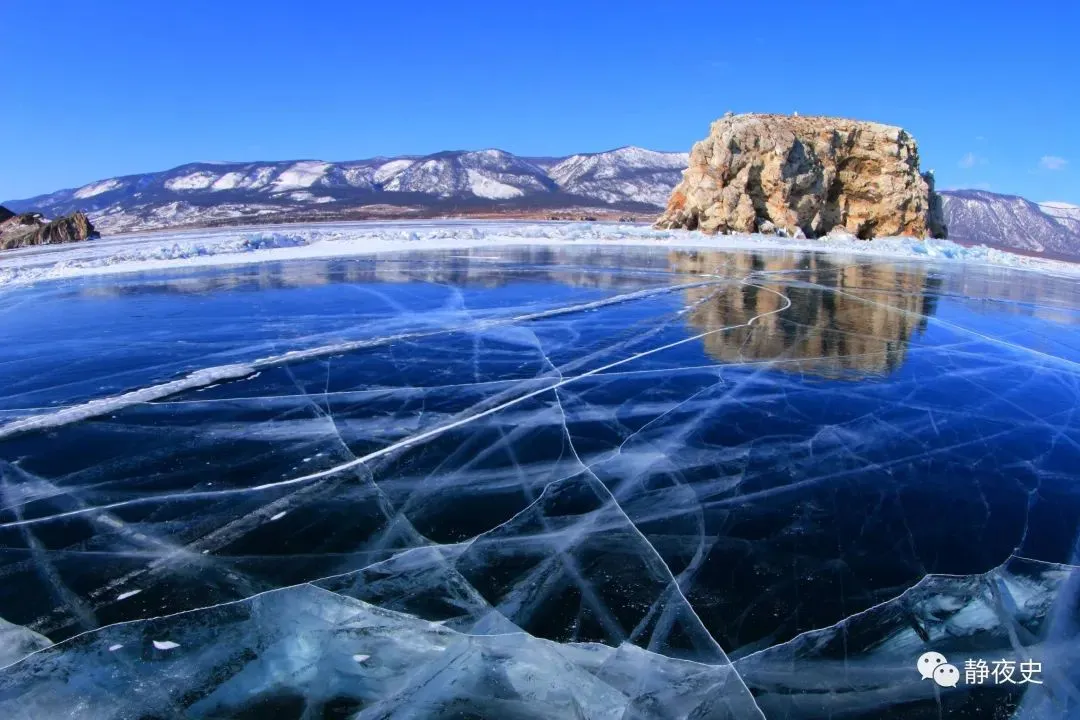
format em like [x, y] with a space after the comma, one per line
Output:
[1065, 213]
[489, 174]
[628, 179]
[1013, 223]
[645, 175]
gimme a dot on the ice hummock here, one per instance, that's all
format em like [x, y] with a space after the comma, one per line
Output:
[16, 642]
[307, 647]
[1023, 610]
[297, 648]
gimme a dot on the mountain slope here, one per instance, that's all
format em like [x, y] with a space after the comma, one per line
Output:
[611, 176]
[491, 174]
[1010, 222]
[629, 179]
[1065, 213]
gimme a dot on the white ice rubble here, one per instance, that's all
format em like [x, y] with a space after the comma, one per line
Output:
[329, 649]
[16, 642]
[191, 249]
[336, 651]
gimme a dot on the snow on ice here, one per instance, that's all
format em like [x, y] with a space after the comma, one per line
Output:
[157, 251]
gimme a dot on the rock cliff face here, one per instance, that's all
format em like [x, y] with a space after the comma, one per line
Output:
[31, 229]
[805, 176]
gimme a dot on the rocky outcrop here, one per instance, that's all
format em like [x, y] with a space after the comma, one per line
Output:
[32, 229]
[805, 176]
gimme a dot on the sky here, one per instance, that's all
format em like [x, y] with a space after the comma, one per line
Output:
[97, 90]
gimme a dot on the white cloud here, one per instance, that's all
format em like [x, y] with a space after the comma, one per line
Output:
[1052, 162]
[970, 160]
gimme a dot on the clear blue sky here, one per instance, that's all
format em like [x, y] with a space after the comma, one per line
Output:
[95, 90]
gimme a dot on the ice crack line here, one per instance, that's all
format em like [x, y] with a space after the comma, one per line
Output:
[238, 371]
[420, 437]
[672, 579]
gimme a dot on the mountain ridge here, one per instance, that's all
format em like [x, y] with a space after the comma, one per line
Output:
[1011, 222]
[627, 182]
[287, 185]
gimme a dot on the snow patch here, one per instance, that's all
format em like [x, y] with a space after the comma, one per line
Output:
[485, 187]
[228, 181]
[193, 181]
[301, 175]
[259, 179]
[305, 196]
[89, 191]
[390, 169]
[165, 644]
[357, 176]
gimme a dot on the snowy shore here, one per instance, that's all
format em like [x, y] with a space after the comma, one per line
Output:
[234, 246]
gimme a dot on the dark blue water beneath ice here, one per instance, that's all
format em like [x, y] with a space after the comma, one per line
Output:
[703, 455]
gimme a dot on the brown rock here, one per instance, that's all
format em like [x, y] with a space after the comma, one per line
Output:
[31, 229]
[808, 174]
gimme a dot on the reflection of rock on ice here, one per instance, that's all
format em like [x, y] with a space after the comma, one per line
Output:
[864, 329]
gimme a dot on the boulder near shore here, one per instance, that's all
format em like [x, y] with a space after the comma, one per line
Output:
[805, 177]
[31, 229]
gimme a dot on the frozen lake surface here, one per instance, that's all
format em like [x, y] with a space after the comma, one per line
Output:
[531, 480]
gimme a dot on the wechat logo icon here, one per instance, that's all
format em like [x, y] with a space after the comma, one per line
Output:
[934, 666]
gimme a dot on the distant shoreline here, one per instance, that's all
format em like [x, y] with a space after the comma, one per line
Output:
[407, 214]
[201, 249]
